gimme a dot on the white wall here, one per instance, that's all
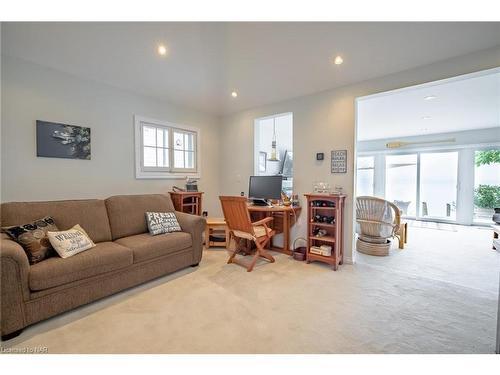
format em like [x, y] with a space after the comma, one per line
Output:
[31, 92]
[324, 122]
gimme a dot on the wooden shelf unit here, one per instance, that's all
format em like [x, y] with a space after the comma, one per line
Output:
[187, 201]
[335, 231]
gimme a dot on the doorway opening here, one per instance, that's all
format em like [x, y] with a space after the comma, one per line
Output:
[432, 151]
[273, 148]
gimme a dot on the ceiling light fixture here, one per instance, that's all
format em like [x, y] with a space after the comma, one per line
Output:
[430, 97]
[338, 60]
[234, 94]
[162, 50]
[426, 117]
[274, 151]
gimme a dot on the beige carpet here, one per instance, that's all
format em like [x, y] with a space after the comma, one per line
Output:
[456, 254]
[285, 307]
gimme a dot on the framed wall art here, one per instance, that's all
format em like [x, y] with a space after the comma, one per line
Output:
[339, 161]
[54, 140]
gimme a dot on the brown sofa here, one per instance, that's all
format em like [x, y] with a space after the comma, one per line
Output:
[125, 255]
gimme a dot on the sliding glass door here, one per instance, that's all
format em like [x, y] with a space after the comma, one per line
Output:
[365, 176]
[401, 182]
[423, 185]
[438, 185]
[486, 184]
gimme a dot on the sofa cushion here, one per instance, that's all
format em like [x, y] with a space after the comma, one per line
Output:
[127, 213]
[104, 257]
[33, 238]
[91, 214]
[70, 242]
[162, 222]
[145, 246]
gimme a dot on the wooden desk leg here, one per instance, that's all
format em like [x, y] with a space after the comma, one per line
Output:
[271, 242]
[286, 232]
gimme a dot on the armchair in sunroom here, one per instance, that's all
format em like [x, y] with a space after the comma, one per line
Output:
[377, 221]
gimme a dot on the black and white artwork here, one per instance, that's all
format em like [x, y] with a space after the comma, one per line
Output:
[339, 161]
[54, 140]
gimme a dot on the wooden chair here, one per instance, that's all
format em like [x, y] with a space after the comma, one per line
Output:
[240, 226]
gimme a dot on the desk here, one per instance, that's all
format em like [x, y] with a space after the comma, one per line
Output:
[284, 218]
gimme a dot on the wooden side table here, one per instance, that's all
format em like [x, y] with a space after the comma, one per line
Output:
[213, 227]
[187, 201]
[496, 233]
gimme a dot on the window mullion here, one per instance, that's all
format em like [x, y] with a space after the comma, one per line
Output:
[170, 149]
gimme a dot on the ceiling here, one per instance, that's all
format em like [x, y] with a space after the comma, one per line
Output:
[263, 62]
[465, 103]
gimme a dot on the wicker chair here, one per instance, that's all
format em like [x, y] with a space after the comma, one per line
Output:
[377, 221]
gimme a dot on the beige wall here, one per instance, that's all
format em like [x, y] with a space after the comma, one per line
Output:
[324, 122]
[31, 92]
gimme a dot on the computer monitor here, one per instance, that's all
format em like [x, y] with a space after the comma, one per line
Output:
[264, 187]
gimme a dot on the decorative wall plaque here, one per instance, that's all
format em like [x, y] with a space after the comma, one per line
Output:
[339, 161]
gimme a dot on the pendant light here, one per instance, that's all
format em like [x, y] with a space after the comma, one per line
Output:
[274, 153]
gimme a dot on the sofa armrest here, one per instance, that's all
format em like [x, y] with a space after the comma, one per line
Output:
[14, 287]
[195, 225]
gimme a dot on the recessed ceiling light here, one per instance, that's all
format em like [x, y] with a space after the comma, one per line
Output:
[234, 94]
[426, 117]
[430, 97]
[162, 50]
[338, 60]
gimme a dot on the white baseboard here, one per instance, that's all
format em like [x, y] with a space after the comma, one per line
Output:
[348, 260]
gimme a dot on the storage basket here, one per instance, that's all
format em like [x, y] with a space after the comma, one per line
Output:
[299, 253]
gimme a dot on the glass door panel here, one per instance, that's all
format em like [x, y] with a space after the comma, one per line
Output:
[438, 185]
[365, 176]
[486, 184]
[401, 182]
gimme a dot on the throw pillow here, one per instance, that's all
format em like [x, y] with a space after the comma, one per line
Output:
[162, 222]
[33, 238]
[70, 242]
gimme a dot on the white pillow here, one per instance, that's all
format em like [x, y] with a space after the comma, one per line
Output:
[70, 242]
[162, 222]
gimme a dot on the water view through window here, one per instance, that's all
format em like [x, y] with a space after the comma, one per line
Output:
[401, 182]
[438, 184]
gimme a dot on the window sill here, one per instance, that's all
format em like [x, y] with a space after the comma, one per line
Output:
[140, 175]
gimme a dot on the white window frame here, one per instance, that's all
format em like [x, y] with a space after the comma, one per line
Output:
[142, 172]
